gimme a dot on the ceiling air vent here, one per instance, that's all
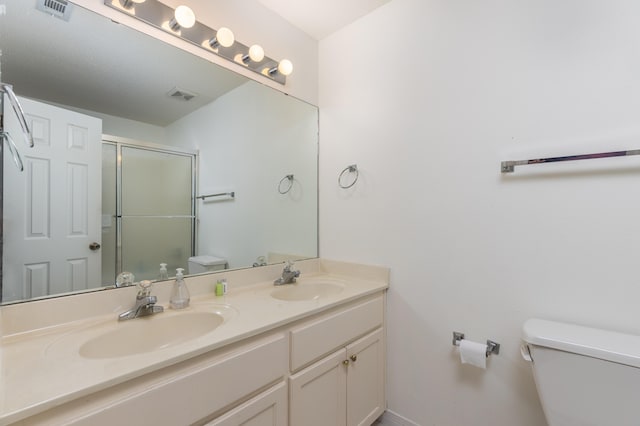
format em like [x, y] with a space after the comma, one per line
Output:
[183, 95]
[58, 8]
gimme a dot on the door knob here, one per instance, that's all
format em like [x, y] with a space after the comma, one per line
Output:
[94, 246]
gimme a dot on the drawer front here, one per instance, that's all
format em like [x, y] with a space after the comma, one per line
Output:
[267, 409]
[311, 341]
[182, 396]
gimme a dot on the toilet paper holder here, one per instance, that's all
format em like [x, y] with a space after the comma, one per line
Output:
[492, 347]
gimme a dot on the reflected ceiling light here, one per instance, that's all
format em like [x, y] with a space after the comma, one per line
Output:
[256, 54]
[224, 37]
[128, 4]
[221, 42]
[285, 67]
[183, 17]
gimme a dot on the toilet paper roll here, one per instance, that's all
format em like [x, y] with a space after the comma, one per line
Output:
[473, 353]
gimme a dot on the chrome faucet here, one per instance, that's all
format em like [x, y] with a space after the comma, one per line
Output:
[288, 275]
[145, 303]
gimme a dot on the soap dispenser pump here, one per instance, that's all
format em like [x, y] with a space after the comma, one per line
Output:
[163, 275]
[180, 294]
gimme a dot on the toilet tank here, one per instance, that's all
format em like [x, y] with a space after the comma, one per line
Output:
[206, 263]
[585, 376]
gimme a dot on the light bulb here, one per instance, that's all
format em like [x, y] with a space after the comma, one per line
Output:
[256, 53]
[184, 16]
[225, 37]
[285, 67]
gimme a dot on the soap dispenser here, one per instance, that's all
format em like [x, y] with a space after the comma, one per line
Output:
[180, 293]
[163, 275]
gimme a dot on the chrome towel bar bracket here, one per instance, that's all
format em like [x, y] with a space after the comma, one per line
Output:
[4, 135]
[15, 154]
[17, 108]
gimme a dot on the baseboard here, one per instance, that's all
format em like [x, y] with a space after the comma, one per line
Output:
[392, 419]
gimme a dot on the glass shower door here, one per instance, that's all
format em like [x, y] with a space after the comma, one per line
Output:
[109, 213]
[156, 212]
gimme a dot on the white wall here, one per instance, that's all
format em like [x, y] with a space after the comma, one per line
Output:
[248, 140]
[427, 97]
[125, 128]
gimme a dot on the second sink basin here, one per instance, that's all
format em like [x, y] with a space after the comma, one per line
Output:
[150, 333]
[308, 289]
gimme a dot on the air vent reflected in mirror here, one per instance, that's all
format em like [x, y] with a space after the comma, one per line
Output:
[58, 8]
[181, 94]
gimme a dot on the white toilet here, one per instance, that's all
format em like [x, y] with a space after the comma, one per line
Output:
[585, 376]
[206, 263]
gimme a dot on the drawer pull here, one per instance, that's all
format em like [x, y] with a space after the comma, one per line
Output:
[354, 357]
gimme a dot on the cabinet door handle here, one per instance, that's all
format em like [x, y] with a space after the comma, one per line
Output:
[354, 357]
[345, 362]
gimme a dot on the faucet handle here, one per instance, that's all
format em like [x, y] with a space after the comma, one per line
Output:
[125, 279]
[145, 287]
[145, 284]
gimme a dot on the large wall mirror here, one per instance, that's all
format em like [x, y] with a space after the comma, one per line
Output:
[130, 133]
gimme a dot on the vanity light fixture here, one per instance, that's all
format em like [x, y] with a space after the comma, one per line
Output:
[128, 4]
[182, 23]
[224, 37]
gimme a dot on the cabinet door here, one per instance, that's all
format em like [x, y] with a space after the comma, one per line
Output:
[318, 393]
[267, 409]
[365, 379]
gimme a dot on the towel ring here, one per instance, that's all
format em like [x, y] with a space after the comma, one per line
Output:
[287, 177]
[351, 169]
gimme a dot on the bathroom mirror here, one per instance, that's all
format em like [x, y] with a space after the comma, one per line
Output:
[247, 139]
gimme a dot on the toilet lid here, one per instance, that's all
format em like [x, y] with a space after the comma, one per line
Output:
[596, 343]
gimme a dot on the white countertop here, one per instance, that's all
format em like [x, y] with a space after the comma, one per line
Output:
[40, 366]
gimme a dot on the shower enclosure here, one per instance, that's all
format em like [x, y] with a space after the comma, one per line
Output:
[148, 208]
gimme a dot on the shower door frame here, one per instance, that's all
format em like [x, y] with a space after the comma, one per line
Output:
[119, 143]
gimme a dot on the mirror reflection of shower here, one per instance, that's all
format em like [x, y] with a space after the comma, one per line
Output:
[148, 210]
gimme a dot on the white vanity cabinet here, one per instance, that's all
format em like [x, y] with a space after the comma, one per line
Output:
[325, 368]
[346, 387]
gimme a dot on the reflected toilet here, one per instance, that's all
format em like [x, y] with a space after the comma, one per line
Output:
[206, 263]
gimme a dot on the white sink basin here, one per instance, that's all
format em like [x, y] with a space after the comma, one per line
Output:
[308, 289]
[146, 334]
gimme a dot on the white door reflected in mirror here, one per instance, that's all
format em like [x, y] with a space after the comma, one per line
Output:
[53, 206]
